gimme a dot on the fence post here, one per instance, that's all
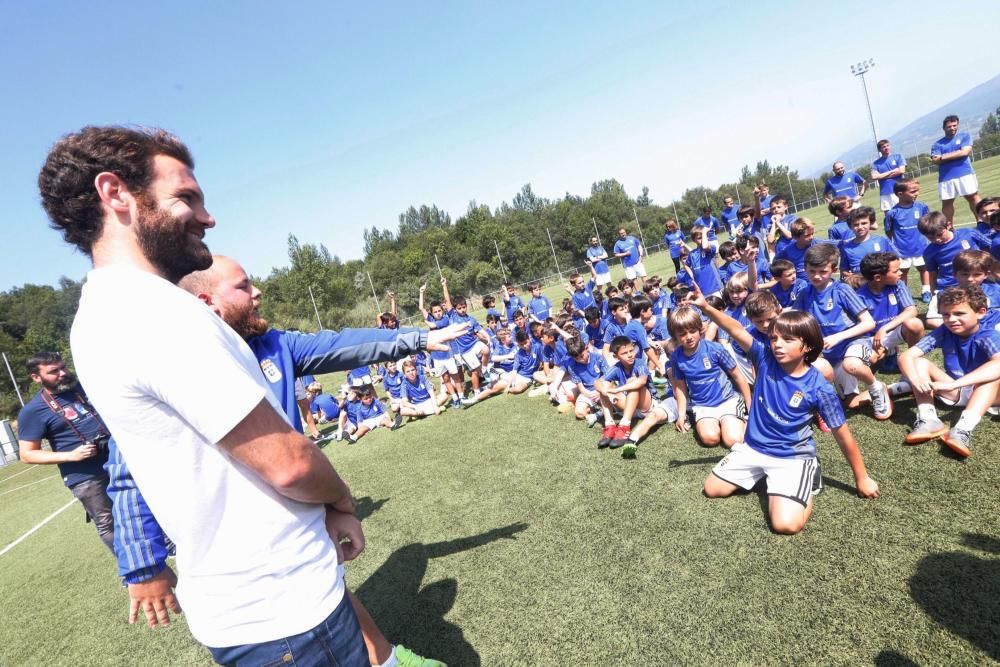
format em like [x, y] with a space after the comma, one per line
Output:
[558, 270]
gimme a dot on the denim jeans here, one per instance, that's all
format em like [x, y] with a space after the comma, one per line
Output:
[93, 495]
[336, 642]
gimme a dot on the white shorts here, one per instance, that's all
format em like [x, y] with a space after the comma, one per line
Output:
[567, 388]
[964, 394]
[361, 381]
[845, 383]
[583, 401]
[744, 364]
[373, 423]
[300, 391]
[504, 376]
[907, 262]
[442, 366]
[470, 359]
[637, 271]
[893, 339]
[958, 187]
[394, 403]
[733, 407]
[603, 279]
[425, 408]
[520, 380]
[886, 202]
[786, 477]
[667, 407]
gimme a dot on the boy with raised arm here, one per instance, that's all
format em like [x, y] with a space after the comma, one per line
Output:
[779, 446]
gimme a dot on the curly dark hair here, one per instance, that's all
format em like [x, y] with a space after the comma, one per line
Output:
[66, 181]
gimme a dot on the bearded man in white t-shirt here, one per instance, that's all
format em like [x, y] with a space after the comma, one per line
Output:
[244, 495]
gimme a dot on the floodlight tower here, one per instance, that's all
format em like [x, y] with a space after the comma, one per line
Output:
[860, 70]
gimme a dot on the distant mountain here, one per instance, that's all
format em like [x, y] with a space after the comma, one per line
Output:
[972, 108]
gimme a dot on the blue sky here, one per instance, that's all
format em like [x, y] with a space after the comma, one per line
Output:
[320, 119]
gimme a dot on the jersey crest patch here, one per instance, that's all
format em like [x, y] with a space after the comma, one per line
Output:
[892, 299]
[271, 371]
[829, 304]
[707, 363]
[965, 244]
[796, 399]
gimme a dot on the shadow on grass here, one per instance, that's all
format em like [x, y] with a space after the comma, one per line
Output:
[366, 507]
[890, 658]
[694, 462]
[415, 616]
[961, 592]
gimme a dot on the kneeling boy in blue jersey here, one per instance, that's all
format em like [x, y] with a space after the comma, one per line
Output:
[965, 346]
[628, 386]
[700, 368]
[416, 393]
[779, 445]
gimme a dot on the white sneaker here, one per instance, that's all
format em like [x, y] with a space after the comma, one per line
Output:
[541, 390]
[591, 419]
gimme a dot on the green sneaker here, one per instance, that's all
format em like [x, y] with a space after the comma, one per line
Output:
[408, 658]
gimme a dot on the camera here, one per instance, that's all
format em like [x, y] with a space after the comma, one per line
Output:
[101, 442]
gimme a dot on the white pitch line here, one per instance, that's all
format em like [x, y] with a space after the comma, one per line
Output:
[34, 465]
[28, 484]
[39, 525]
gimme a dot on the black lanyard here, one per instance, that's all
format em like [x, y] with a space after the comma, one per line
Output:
[55, 407]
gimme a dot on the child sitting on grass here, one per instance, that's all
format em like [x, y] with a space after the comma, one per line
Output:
[392, 379]
[787, 284]
[628, 387]
[416, 394]
[939, 255]
[864, 242]
[699, 369]
[966, 346]
[975, 267]
[844, 320]
[370, 414]
[778, 445]
[890, 304]
[585, 368]
[803, 237]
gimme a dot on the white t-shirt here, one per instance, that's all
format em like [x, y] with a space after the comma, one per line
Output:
[171, 379]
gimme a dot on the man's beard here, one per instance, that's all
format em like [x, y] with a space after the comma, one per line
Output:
[167, 245]
[246, 322]
[68, 383]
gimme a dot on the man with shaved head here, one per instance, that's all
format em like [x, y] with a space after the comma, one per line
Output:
[227, 290]
[844, 183]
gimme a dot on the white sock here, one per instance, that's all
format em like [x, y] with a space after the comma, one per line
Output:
[900, 388]
[876, 385]
[927, 411]
[967, 421]
[391, 662]
[925, 289]
[625, 422]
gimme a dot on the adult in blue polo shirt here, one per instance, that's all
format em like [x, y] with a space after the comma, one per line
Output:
[631, 251]
[955, 175]
[886, 169]
[844, 183]
[597, 257]
[730, 216]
